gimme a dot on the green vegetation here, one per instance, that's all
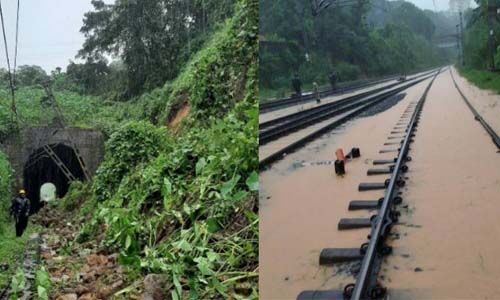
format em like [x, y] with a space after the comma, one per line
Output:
[172, 199]
[479, 54]
[185, 204]
[481, 58]
[42, 283]
[365, 39]
[10, 246]
[483, 79]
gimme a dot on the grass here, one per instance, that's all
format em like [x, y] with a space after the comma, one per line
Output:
[482, 79]
[11, 247]
[79, 110]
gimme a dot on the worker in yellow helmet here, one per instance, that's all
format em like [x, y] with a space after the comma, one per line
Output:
[20, 210]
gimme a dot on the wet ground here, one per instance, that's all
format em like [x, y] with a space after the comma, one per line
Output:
[276, 145]
[301, 204]
[446, 247]
[454, 193]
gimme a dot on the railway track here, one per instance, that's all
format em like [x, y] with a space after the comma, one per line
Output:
[309, 124]
[269, 106]
[290, 101]
[372, 253]
[494, 136]
[30, 261]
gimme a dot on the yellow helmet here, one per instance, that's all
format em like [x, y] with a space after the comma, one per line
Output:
[22, 192]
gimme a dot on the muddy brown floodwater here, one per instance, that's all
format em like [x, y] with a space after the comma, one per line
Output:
[449, 246]
[301, 206]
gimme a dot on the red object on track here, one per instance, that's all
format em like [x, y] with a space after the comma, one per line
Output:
[340, 154]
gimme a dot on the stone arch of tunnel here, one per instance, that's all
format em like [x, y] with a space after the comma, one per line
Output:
[40, 169]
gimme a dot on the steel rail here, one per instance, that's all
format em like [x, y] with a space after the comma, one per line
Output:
[291, 117]
[309, 96]
[265, 162]
[362, 283]
[300, 114]
[326, 112]
[294, 100]
[494, 136]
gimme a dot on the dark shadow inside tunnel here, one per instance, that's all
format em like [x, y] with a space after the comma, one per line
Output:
[41, 168]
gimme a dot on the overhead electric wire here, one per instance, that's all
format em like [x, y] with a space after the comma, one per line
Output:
[17, 39]
[11, 79]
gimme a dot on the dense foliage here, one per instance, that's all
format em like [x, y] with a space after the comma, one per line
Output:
[182, 201]
[479, 51]
[174, 199]
[157, 43]
[366, 38]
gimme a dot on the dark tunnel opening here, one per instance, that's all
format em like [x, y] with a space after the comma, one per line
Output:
[41, 168]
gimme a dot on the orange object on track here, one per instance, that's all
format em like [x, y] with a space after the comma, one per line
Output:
[340, 154]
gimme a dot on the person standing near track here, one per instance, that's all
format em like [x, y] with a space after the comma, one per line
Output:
[20, 210]
[316, 92]
[333, 78]
[297, 85]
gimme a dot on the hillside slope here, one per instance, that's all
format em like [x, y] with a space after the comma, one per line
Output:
[176, 194]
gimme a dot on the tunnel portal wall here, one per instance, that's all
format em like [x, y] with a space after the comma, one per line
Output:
[90, 143]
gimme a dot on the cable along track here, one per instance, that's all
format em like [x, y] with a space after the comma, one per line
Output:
[494, 136]
[372, 253]
[325, 117]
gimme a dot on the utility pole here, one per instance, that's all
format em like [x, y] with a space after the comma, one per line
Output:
[493, 11]
[460, 59]
[461, 35]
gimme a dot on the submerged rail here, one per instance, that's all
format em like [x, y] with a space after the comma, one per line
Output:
[353, 112]
[371, 254]
[299, 120]
[294, 100]
[383, 222]
[309, 96]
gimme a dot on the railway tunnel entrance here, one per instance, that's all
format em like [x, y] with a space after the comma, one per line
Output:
[41, 168]
[31, 155]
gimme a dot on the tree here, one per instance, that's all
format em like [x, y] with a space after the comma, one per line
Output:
[91, 76]
[153, 38]
[355, 38]
[30, 75]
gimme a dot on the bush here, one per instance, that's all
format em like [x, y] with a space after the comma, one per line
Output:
[347, 71]
[132, 144]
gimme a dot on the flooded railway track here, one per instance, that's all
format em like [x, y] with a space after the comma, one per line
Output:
[372, 253]
[274, 105]
[290, 101]
[304, 126]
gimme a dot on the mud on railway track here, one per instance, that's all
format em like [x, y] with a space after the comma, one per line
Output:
[365, 262]
[307, 125]
[372, 253]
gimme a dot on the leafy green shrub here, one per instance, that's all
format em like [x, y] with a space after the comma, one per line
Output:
[5, 184]
[77, 193]
[347, 71]
[176, 213]
[18, 284]
[132, 144]
[42, 283]
[214, 79]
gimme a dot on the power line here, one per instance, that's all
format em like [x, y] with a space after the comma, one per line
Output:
[17, 38]
[12, 87]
